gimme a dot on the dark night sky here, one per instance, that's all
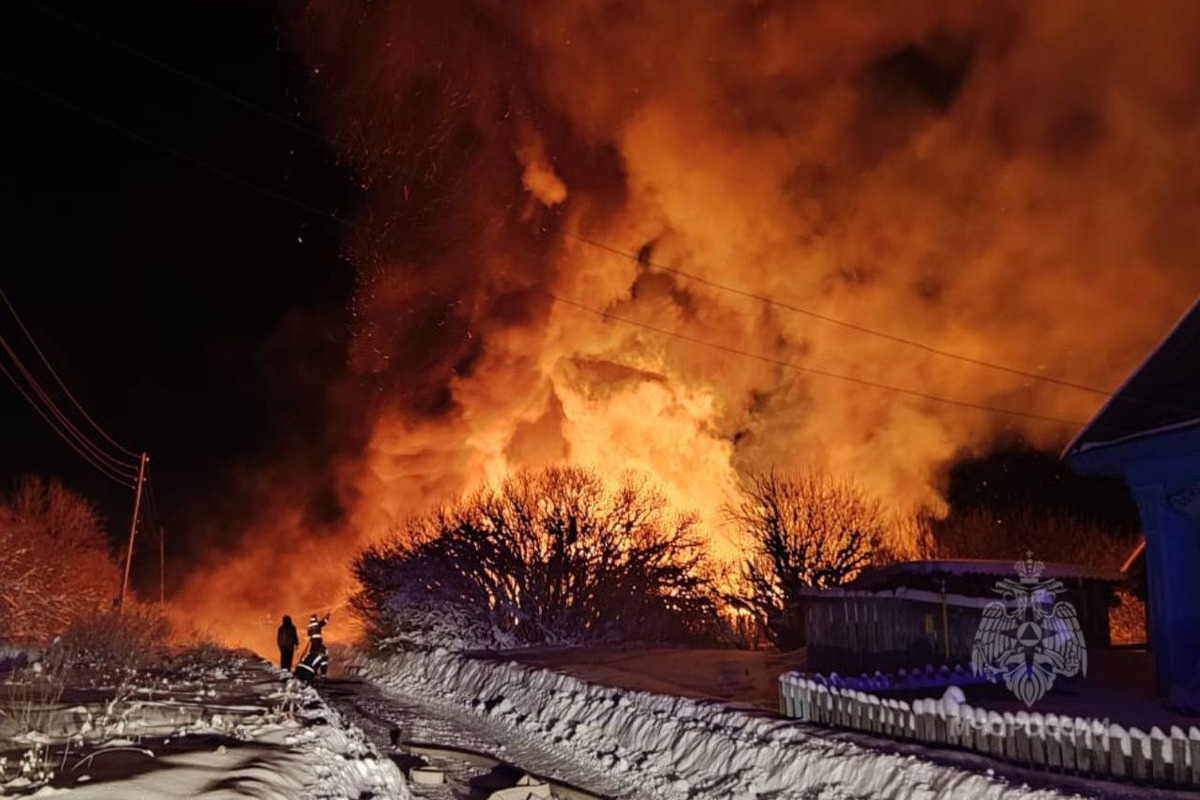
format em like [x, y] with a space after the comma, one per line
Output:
[176, 304]
[182, 307]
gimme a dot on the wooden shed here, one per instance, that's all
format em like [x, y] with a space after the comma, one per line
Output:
[915, 613]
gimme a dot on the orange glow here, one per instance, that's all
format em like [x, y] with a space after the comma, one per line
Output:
[1012, 182]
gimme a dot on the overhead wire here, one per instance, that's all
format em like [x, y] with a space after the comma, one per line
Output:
[284, 198]
[812, 370]
[835, 320]
[586, 240]
[864, 329]
[59, 380]
[114, 463]
[98, 465]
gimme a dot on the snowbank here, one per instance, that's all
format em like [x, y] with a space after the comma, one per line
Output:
[338, 761]
[230, 727]
[672, 747]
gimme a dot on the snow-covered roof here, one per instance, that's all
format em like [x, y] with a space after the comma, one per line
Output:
[874, 576]
[1162, 395]
[902, 593]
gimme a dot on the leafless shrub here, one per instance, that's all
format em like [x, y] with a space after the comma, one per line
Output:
[806, 530]
[196, 645]
[56, 566]
[117, 642]
[33, 702]
[550, 556]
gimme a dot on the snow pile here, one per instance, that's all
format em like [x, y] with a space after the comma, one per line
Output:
[672, 747]
[338, 759]
[225, 727]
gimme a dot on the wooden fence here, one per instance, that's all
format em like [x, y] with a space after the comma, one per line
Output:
[1070, 745]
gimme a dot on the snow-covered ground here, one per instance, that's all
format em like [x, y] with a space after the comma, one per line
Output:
[219, 727]
[743, 677]
[477, 754]
[673, 747]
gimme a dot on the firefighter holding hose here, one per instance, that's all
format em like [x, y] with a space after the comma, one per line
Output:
[315, 664]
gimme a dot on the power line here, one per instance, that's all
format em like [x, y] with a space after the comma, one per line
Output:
[179, 73]
[172, 151]
[100, 467]
[81, 437]
[835, 321]
[114, 463]
[633, 256]
[59, 380]
[241, 101]
[812, 370]
[310, 209]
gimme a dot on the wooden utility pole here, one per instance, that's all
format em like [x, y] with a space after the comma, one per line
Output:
[137, 505]
[162, 580]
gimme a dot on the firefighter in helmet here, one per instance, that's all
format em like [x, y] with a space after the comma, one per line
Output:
[315, 626]
[315, 664]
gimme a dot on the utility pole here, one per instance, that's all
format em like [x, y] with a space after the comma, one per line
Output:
[137, 505]
[162, 580]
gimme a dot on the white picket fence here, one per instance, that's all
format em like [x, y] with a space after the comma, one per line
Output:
[1052, 742]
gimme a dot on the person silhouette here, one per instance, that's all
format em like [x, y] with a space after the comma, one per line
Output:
[288, 640]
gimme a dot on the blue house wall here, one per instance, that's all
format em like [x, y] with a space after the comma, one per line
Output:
[1157, 469]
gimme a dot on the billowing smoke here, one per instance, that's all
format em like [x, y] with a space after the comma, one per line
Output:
[1014, 182]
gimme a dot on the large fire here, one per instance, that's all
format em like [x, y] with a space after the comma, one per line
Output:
[1013, 182]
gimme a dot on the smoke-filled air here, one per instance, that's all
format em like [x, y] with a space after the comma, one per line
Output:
[590, 233]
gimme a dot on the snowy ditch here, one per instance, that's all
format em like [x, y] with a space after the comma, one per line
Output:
[672, 747]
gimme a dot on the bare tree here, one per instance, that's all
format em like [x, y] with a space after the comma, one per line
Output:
[806, 530]
[56, 566]
[551, 556]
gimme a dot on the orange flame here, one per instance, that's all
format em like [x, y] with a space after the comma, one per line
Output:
[1013, 183]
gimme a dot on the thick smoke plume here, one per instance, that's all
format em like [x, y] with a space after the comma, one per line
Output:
[1015, 182]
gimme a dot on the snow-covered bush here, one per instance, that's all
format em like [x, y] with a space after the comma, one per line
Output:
[56, 566]
[417, 617]
[556, 556]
